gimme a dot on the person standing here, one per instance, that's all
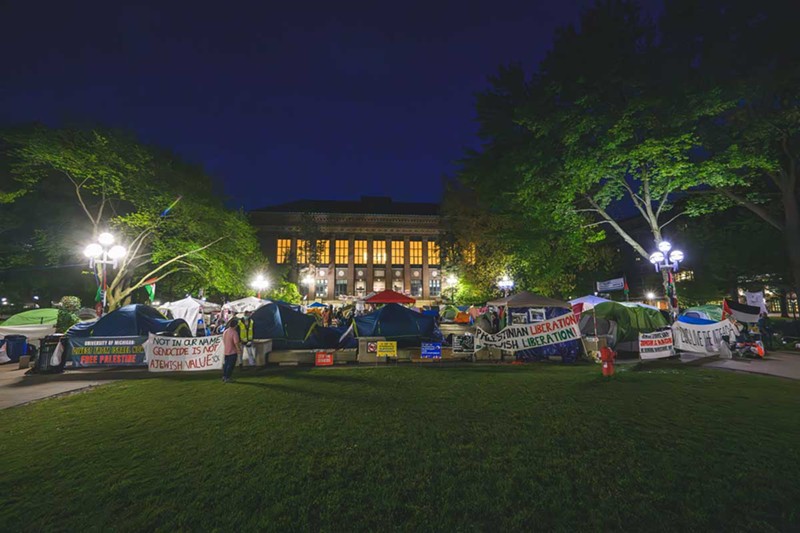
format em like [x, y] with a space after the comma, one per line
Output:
[765, 329]
[246, 339]
[232, 346]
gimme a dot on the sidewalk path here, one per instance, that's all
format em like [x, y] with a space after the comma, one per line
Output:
[783, 364]
[16, 388]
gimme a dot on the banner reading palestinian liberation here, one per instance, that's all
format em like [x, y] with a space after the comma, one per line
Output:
[184, 354]
[107, 351]
[702, 338]
[656, 345]
[616, 284]
[526, 336]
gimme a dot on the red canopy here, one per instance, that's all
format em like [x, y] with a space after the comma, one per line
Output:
[390, 297]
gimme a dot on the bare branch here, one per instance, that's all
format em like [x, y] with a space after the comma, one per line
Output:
[670, 221]
[755, 208]
[622, 233]
[165, 264]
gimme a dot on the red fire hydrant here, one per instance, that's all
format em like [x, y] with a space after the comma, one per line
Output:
[607, 356]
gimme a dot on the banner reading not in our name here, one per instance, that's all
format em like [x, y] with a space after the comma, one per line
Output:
[184, 354]
[656, 345]
[526, 336]
[704, 338]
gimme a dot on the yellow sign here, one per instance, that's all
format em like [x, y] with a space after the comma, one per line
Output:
[387, 348]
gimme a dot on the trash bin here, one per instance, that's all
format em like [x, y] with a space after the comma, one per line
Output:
[47, 346]
[16, 346]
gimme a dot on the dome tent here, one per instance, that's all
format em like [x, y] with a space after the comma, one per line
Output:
[34, 317]
[131, 321]
[189, 309]
[621, 324]
[397, 323]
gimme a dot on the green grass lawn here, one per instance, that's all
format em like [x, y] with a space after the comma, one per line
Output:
[450, 448]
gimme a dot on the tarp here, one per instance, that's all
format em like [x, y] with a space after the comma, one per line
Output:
[128, 321]
[529, 299]
[251, 303]
[389, 297]
[696, 320]
[189, 309]
[397, 323]
[708, 312]
[630, 321]
[588, 301]
[33, 332]
[33, 317]
[318, 304]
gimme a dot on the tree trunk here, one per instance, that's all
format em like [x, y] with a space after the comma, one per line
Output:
[791, 235]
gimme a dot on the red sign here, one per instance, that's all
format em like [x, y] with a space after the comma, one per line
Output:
[324, 359]
[372, 347]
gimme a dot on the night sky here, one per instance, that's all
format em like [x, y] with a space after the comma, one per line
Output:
[280, 100]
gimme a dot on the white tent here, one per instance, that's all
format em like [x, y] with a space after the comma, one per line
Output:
[588, 301]
[190, 309]
[251, 303]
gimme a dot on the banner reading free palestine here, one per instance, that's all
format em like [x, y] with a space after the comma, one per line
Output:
[525, 336]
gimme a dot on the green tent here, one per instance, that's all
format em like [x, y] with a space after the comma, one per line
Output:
[710, 312]
[630, 321]
[34, 317]
[450, 312]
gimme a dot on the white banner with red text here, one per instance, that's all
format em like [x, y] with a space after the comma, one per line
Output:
[656, 345]
[526, 336]
[183, 354]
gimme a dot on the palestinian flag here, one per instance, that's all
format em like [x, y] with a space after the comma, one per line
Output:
[150, 288]
[625, 287]
[98, 297]
[747, 314]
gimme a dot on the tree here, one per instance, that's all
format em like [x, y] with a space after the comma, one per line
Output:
[285, 291]
[748, 59]
[167, 212]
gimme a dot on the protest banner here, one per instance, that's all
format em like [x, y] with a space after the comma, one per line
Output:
[526, 336]
[463, 344]
[702, 338]
[184, 354]
[656, 345]
[107, 351]
[616, 284]
[431, 350]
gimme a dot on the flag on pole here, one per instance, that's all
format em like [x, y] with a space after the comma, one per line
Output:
[98, 297]
[625, 287]
[150, 287]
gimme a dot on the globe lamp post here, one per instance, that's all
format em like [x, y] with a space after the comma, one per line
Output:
[104, 253]
[667, 260]
[506, 284]
[260, 283]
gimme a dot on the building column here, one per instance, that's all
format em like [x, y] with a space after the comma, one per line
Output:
[331, 267]
[426, 272]
[370, 279]
[406, 265]
[351, 266]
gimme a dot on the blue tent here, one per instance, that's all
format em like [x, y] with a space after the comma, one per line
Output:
[276, 321]
[130, 321]
[317, 304]
[398, 323]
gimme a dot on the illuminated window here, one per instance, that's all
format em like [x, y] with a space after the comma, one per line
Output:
[435, 286]
[284, 249]
[416, 288]
[379, 252]
[340, 288]
[321, 288]
[434, 257]
[469, 254]
[415, 252]
[360, 252]
[324, 251]
[398, 252]
[342, 252]
[303, 250]
[684, 275]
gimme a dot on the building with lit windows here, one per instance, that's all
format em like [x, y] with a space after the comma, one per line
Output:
[341, 249]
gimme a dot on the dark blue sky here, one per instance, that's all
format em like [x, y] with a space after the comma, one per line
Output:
[280, 100]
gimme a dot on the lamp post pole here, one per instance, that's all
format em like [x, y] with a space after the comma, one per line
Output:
[667, 264]
[104, 252]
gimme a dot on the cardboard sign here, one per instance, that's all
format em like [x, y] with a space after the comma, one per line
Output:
[184, 354]
[324, 359]
[107, 351]
[656, 345]
[431, 350]
[463, 344]
[387, 348]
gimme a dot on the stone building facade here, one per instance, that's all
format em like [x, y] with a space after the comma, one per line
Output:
[359, 247]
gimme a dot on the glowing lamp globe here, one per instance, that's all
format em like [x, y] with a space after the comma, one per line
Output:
[664, 246]
[93, 250]
[676, 256]
[105, 238]
[117, 252]
[656, 257]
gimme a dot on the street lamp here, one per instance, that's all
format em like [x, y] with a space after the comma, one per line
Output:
[666, 263]
[650, 296]
[260, 283]
[104, 252]
[506, 284]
